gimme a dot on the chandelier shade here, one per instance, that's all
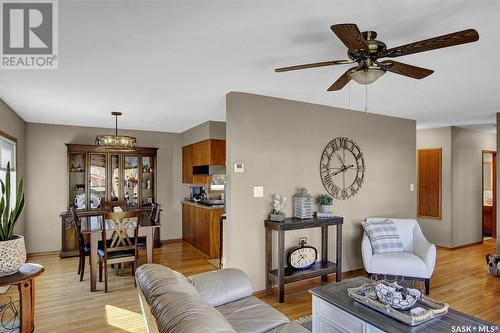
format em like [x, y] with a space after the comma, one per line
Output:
[115, 142]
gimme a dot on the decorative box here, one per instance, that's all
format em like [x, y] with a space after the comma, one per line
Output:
[302, 204]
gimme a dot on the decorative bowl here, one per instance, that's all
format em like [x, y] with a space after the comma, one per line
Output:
[396, 296]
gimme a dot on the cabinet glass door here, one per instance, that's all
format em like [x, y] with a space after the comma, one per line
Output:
[77, 163]
[130, 180]
[147, 186]
[97, 180]
[115, 177]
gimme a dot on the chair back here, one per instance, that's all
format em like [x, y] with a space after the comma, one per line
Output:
[406, 228]
[121, 224]
[109, 206]
[78, 226]
[154, 215]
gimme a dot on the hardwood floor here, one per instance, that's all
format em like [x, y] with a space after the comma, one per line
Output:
[66, 305]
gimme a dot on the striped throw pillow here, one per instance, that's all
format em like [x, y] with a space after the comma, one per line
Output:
[383, 236]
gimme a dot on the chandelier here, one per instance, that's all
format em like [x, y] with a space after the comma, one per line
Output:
[115, 142]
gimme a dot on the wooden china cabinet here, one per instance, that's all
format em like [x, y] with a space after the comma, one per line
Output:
[96, 175]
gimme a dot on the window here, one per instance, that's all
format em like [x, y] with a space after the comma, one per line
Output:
[8, 154]
[429, 183]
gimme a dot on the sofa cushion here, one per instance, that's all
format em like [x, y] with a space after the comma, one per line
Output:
[184, 313]
[384, 236]
[156, 280]
[251, 315]
[400, 263]
[222, 286]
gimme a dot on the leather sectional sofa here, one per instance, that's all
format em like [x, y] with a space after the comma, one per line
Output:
[219, 301]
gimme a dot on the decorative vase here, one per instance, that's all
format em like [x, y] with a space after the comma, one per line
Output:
[325, 208]
[12, 255]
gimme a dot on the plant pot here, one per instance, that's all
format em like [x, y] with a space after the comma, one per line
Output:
[277, 217]
[325, 209]
[12, 255]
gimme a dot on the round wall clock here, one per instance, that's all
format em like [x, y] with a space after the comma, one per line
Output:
[342, 168]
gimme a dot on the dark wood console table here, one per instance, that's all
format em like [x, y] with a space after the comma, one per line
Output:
[25, 280]
[322, 268]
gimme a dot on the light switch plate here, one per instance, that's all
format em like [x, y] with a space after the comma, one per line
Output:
[239, 167]
[258, 191]
[412, 187]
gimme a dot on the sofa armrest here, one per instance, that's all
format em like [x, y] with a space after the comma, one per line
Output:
[222, 286]
[424, 250]
[366, 252]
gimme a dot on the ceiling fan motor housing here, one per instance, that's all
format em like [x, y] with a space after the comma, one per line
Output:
[376, 49]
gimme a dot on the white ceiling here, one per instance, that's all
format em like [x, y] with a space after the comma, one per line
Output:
[167, 65]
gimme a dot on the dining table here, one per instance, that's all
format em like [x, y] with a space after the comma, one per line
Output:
[92, 226]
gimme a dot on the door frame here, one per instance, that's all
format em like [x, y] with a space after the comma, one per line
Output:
[494, 211]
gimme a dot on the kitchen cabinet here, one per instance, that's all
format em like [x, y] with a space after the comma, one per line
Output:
[201, 228]
[207, 152]
[187, 164]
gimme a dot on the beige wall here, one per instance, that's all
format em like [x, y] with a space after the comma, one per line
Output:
[461, 184]
[281, 141]
[46, 171]
[15, 126]
[207, 130]
[466, 167]
[439, 231]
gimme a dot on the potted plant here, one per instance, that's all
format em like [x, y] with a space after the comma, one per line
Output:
[325, 203]
[278, 204]
[12, 248]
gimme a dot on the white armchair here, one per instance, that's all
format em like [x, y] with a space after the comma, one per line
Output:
[416, 262]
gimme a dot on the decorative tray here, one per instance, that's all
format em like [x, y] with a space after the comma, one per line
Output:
[430, 309]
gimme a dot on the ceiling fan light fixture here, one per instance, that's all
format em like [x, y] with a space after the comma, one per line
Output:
[367, 75]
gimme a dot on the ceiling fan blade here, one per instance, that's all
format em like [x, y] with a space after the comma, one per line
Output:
[341, 81]
[407, 70]
[350, 35]
[313, 65]
[455, 38]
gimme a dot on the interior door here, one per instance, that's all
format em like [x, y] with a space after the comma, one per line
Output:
[489, 194]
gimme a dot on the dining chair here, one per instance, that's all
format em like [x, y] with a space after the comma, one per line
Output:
[81, 243]
[120, 248]
[154, 216]
[110, 206]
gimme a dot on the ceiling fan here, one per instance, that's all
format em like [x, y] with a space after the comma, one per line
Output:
[365, 50]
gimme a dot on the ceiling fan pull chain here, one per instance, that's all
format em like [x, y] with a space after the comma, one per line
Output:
[366, 98]
[349, 95]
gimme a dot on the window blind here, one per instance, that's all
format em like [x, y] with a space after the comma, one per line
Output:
[7, 154]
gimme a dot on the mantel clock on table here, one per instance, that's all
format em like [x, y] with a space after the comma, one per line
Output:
[297, 272]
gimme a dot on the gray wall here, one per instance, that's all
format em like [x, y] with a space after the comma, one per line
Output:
[461, 192]
[207, 130]
[15, 126]
[466, 167]
[439, 231]
[281, 142]
[46, 172]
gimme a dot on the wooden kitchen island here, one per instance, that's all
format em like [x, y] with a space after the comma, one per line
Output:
[201, 227]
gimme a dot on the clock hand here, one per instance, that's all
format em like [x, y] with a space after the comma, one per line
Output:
[341, 170]
[340, 159]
